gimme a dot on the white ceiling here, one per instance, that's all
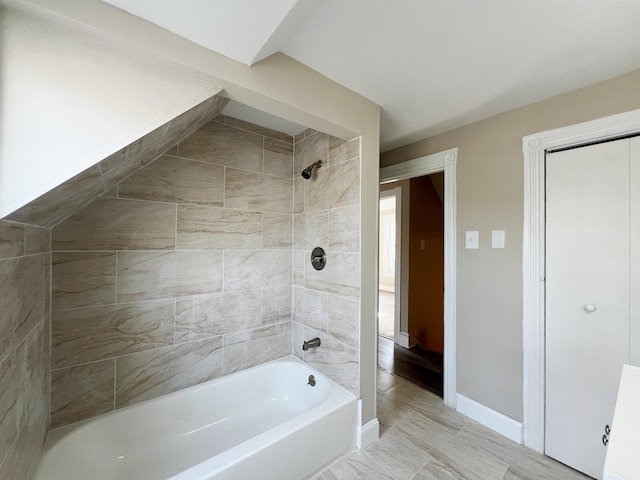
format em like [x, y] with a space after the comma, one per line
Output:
[432, 65]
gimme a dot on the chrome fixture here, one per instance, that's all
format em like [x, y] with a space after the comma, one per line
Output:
[312, 381]
[318, 258]
[313, 343]
[306, 173]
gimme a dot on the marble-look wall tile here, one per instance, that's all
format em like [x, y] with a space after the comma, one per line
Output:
[153, 275]
[278, 158]
[298, 340]
[257, 192]
[145, 147]
[335, 359]
[344, 229]
[61, 201]
[178, 180]
[310, 308]
[252, 347]
[85, 335]
[37, 240]
[299, 261]
[12, 240]
[81, 392]
[173, 151]
[311, 230]
[333, 187]
[184, 125]
[37, 375]
[298, 137]
[277, 231]
[223, 145]
[58, 203]
[118, 224]
[206, 316]
[210, 228]
[344, 320]
[12, 378]
[313, 148]
[111, 193]
[341, 275]
[19, 462]
[251, 127]
[246, 270]
[340, 150]
[23, 289]
[117, 174]
[146, 375]
[24, 347]
[276, 304]
[80, 279]
[298, 194]
[141, 152]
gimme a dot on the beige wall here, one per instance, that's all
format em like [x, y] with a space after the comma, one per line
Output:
[179, 275]
[490, 197]
[24, 347]
[327, 214]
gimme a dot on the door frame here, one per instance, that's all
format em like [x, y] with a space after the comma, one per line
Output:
[534, 148]
[397, 292]
[440, 162]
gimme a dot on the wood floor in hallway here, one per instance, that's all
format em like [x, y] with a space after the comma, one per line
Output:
[418, 365]
[422, 439]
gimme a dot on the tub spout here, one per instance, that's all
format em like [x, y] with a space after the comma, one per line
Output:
[313, 343]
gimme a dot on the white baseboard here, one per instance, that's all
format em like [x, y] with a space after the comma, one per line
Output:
[404, 340]
[368, 434]
[490, 418]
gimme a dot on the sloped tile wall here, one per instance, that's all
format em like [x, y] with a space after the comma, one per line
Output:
[24, 347]
[181, 274]
[327, 215]
[57, 204]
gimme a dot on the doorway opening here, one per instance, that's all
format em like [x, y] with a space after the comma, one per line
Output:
[411, 280]
[388, 254]
[444, 162]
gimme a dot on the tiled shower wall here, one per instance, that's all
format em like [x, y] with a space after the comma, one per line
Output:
[24, 347]
[180, 274]
[327, 215]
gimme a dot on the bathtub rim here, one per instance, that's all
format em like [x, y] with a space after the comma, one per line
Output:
[57, 434]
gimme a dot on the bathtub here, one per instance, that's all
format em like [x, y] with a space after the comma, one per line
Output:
[266, 422]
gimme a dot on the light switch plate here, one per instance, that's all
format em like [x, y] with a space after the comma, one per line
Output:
[472, 241]
[497, 238]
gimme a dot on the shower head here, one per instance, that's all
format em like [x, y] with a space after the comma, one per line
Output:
[306, 173]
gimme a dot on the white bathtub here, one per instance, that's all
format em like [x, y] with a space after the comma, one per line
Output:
[262, 423]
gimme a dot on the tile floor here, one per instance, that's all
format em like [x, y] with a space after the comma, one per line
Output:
[422, 439]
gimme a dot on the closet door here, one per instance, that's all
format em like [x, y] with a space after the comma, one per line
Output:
[587, 298]
[634, 215]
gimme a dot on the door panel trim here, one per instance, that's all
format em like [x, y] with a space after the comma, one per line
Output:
[533, 255]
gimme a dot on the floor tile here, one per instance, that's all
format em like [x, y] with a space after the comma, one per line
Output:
[423, 439]
[398, 454]
[458, 455]
[356, 466]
